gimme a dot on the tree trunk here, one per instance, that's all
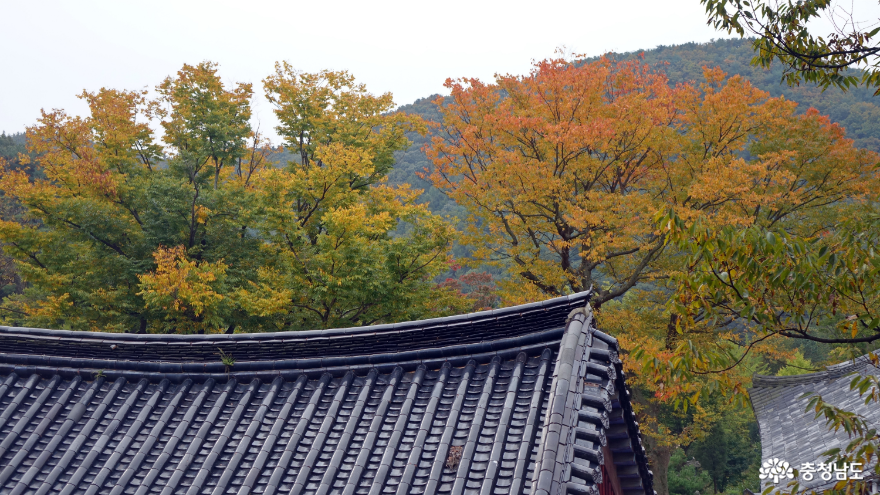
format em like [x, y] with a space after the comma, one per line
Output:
[658, 458]
[672, 335]
[142, 326]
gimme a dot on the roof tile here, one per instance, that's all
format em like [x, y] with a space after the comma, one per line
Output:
[442, 406]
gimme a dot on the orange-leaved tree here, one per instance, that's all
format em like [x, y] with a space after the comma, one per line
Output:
[562, 170]
[562, 173]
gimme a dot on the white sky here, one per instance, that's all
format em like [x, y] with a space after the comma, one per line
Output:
[52, 50]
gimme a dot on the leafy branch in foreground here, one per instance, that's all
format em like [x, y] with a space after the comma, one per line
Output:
[783, 34]
[824, 288]
[745, 292]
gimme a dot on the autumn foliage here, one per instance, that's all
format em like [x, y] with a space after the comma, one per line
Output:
[563, 170]
[198, 231]
[564, 173]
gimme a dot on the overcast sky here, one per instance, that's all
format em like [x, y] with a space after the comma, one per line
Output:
[52, 50]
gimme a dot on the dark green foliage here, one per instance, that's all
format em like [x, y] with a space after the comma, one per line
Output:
[725, 461]
[685, 476]
[11, 145]
[412, 161]
[730, 454]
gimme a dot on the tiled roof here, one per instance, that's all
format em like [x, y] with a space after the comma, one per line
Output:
[519, 400]
[790, 433]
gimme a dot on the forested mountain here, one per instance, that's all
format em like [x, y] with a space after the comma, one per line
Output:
[11, 145]
[856, 110]
[413, 160]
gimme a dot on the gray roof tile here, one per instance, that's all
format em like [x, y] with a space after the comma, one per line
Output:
[789, 432]
[487, 403]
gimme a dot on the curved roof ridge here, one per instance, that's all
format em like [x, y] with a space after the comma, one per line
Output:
[200, 372]
[304, 334]
[831, 372]
[498, 332]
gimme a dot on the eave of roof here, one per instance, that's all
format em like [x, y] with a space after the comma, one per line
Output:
[831, 372]
[589, 408]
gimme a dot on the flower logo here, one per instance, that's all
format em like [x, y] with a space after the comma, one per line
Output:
[775, 469]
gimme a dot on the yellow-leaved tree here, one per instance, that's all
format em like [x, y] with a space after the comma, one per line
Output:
[200, 231]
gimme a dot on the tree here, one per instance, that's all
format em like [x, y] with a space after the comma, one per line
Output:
[190, 293]
[730, 450]
[330, 107]
[11, 146]
[798, 365]
[200, 232]
[668, 423]
[639, 321]
[685, 477]
[561, 171]
[95, 231]
[783, 34]
[478, 287]
[206, 125]
[327, 219]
